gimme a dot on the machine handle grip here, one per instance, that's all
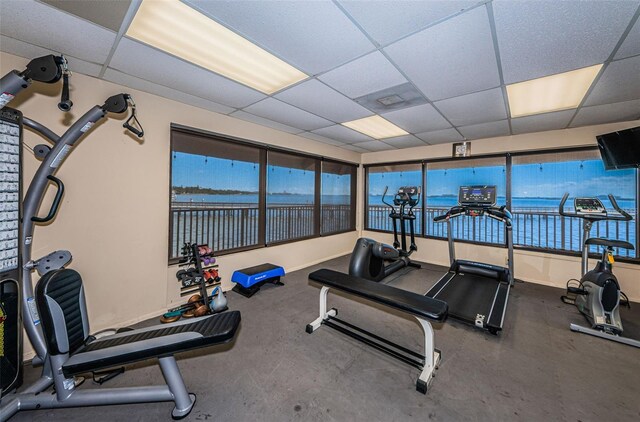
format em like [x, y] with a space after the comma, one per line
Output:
[56, 201]
[623, 213]
[386, 188]
[440, 218]
[561, 208]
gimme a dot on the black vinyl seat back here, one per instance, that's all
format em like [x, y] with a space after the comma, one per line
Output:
[61, 303]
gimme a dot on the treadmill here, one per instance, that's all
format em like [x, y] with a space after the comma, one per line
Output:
[477, 293]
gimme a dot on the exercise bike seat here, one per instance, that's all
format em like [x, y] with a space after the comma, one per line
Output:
[61, 304]
[601, 241]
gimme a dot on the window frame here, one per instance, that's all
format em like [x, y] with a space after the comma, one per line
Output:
[264, 150]
[508, 162]
[353, 200]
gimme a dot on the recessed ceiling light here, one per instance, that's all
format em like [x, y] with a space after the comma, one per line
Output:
[376, 127]
[176, 28]
[561, 91]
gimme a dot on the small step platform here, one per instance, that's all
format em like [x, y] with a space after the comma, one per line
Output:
[249, 280]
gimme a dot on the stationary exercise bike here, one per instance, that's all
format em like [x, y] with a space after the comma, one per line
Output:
[369, 257]
[598, 294]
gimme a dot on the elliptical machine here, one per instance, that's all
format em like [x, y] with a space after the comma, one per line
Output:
[368, 256]
[597, 295]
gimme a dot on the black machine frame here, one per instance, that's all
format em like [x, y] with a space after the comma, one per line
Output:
[477, 293]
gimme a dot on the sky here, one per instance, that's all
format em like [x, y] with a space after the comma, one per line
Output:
[217, 173]
[546, 180]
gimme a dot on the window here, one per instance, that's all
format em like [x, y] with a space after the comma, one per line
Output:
[390, 177]
[443, 180]
[215, 189]
[540, 180]
[338, 197]
[234, 195]
[291, 181]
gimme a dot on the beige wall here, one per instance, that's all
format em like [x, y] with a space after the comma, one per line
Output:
[114, 216]
[542, 268]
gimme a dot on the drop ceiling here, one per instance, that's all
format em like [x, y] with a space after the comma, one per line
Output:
[456, 56]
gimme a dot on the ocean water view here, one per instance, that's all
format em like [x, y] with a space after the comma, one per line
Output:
[536, 221]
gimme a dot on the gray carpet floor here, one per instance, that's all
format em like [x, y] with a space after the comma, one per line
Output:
[535, 370]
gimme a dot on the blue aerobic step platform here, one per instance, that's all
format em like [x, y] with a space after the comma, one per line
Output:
[249, 280]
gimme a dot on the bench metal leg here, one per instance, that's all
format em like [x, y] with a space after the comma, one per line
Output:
[324, 314]
[183, 400]
[431, 357]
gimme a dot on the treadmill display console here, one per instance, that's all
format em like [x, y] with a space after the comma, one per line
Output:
[589, 206]
[477, 196]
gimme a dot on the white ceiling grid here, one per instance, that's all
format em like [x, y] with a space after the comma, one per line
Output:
[457, 54]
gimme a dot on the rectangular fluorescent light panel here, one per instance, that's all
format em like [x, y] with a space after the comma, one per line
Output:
[561, 91]
[176, 28]
[376, 127]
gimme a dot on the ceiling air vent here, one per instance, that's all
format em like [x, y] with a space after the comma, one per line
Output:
[394, 98]
[390, 100]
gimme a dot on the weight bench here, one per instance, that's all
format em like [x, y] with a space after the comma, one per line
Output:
[61, 306]
[422, 308]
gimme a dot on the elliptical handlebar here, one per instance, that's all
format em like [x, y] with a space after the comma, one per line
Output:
[386, 188]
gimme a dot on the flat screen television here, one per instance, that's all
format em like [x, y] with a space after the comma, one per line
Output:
[621, 149]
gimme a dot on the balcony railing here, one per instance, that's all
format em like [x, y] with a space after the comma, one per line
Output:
[233, 226]
[535, 228]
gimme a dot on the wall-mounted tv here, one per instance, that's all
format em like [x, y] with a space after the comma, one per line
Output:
[621, 149]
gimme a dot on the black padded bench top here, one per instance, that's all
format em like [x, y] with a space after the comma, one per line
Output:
[393, 297]
[159, 340]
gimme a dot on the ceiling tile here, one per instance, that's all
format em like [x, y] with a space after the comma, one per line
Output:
[144, 62]
[452, 58]
[306, 34]
[440, 136]
[315, 97]
[120, 78]
[374, 72]
[542, 122]
[479, 107]
[322, 139]
[374, 146]
[406, 141]
[107, 13]
[264, 122]
[56, 30]
[342, 133]
[389, 20]
[540, 38]
[619, 82]
[631, 45]
[485, 130]
[273, 109]
[354, 148]
[422, 118]
[618, 112]
[30, 51]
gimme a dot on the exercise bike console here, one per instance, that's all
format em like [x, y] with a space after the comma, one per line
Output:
[589, 206]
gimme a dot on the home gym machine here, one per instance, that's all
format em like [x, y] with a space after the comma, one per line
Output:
[368, 256]
[597, 295]
[55, 317]
[477, 293]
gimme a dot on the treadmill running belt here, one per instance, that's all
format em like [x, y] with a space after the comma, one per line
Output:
[468, 295]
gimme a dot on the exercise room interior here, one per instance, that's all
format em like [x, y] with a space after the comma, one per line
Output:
[326, 210]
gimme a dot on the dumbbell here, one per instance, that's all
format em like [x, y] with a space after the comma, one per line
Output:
[200, 308]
